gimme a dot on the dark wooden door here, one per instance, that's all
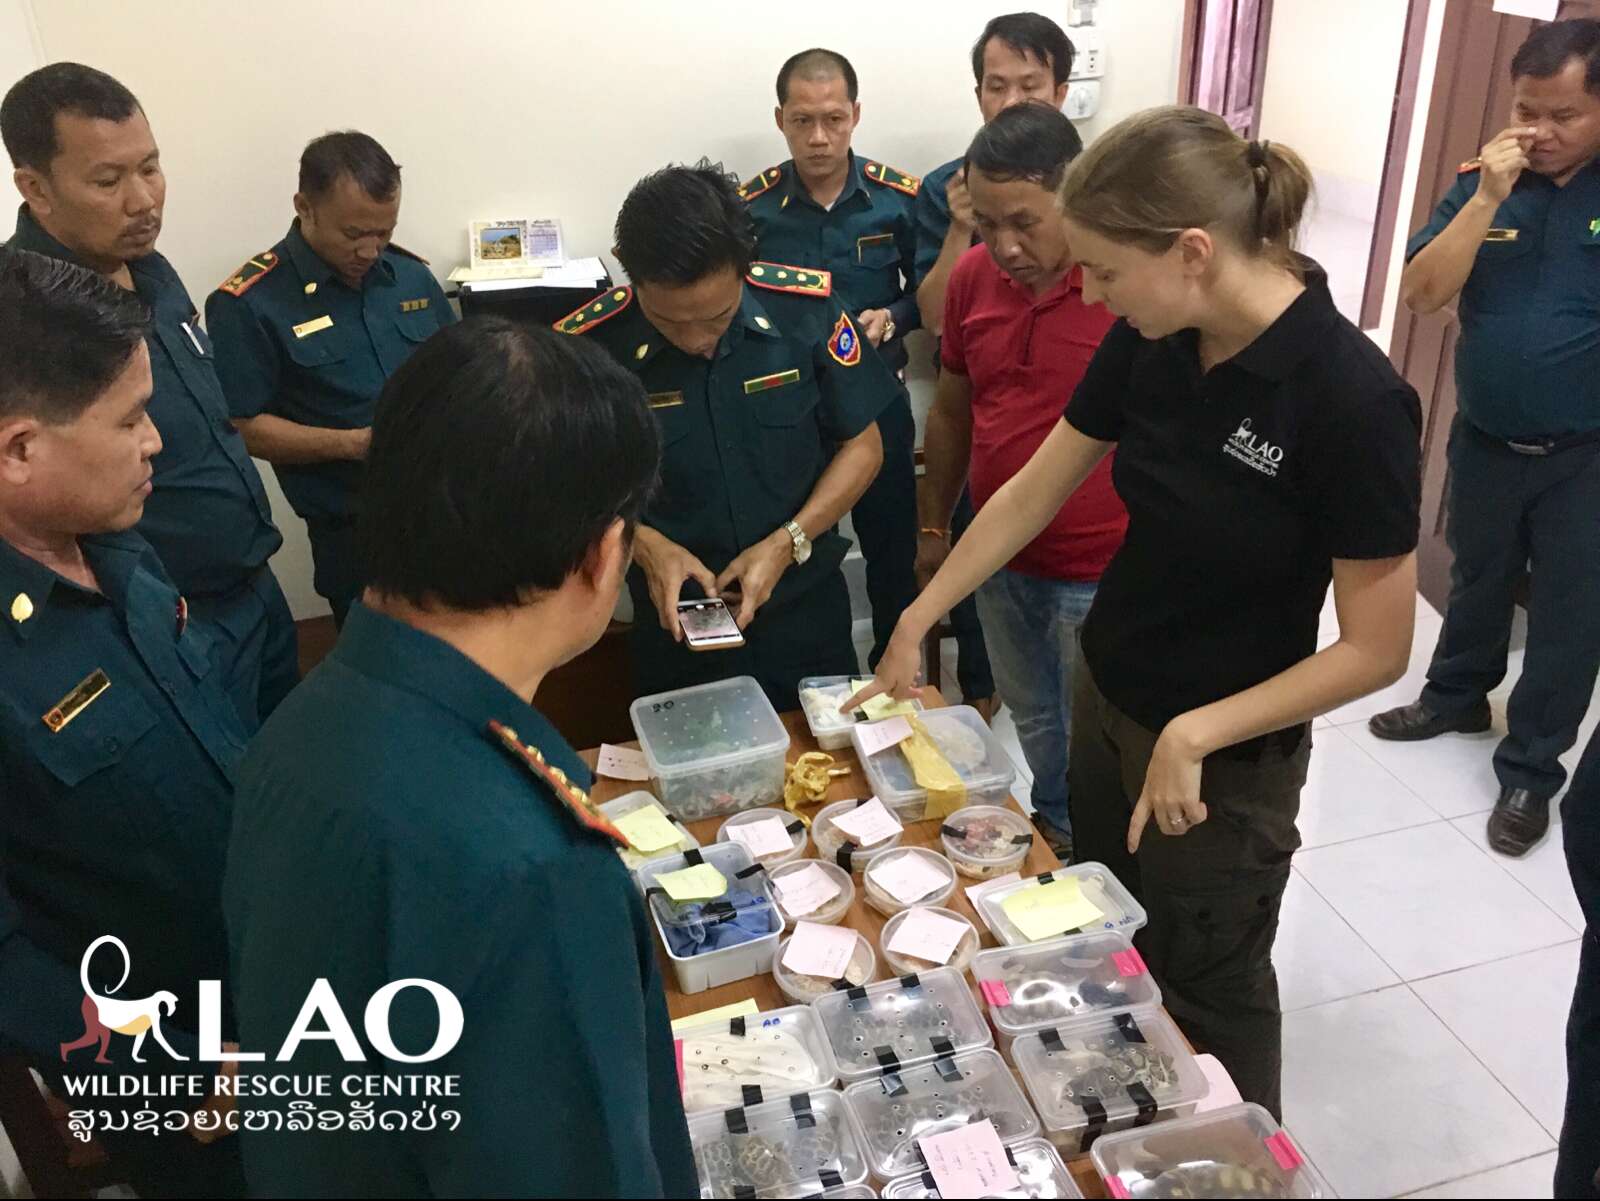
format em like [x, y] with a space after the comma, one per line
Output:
[1471, 102]
[1224, 65]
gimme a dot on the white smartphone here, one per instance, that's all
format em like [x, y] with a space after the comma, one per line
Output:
[708, 625]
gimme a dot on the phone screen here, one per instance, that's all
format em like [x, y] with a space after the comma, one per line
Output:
[708, 623]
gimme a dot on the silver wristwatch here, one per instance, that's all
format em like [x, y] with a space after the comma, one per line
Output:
[802, 544]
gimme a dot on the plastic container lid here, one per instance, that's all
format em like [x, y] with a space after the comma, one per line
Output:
[902, 1023]
[985, 841]
[623, 805]
[803, 990]
[1119, 911]
[829, 913]
[892, 1113]
[1040, 1173]
[831, 840]
[969, 745]
[721, 737]
[796, 828]
[691, 920]
[1048, 983]
[885, 902]
[779, 1051]
[903, 965]
[1234, 1152]
[1104, 1071]
[806, 1144]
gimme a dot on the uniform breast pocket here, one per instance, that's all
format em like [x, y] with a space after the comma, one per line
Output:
[1503, 275]
[96, 741]
[877, 250]
[417, 326]
[316, 350]
[785, 403]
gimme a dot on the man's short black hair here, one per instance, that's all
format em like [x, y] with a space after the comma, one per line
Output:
[348, 152]
[1031, 35]
[1551, 47]
[65, 334]
[28, 113]
[1031, 141]
[681, 224]
[816, 63]
[501, 453]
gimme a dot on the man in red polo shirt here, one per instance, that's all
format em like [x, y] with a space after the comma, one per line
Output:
[1017, 339]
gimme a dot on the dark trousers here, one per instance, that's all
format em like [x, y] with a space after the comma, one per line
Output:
[335, 565]
[175, 1165]
[1505, 510]
[973, 672]
[1578, 1163]
[808, 635]
[256, 644]
[1212, 894]
[885, 520]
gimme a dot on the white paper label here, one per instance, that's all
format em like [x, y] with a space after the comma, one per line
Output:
[621, 763]
[764, 836]
[908, 878]
[823, 951]
[868, 824]
[924, 934]
[805, 891]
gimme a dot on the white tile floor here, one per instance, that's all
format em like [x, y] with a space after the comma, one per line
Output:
[1425, 980]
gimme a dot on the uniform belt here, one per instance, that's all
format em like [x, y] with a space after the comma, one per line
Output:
[1544, 445]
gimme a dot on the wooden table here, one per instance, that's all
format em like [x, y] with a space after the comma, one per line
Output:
[763, 989]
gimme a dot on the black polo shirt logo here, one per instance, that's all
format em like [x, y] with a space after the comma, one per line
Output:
[1253, 450]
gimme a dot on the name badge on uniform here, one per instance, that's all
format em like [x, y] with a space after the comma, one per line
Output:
[867, 243]
[1501, 235]
[307, 328]
[777, 379]
[413, 306]
[665, 400]
[76, 701]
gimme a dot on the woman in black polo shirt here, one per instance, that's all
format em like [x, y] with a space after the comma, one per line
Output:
[1264, 447]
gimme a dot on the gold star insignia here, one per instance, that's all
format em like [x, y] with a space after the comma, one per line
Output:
[644, 349]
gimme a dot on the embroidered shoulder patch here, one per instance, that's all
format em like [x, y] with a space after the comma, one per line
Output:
[574, 799]
[780, 277]
[591, 313]
[253, 271]
[889, 177]
[845, 344]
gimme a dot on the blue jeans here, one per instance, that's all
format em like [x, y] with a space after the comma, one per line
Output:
[1031, 627]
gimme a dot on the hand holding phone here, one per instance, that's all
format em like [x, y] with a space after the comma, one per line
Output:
[708, 625]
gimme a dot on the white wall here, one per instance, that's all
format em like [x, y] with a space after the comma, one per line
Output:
[498, 106]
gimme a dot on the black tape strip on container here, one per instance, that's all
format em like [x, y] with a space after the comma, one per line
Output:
[800, 1105]
[911, 981]
[830, 1178]
[735, 1121]
[744, 1190]
[845, 855]
[1051, 1038]
[1097, 1123]
[1046, 877]
[736, 1026]
[752, 1094]
[753, 869]
[693, 857]
[932, 1185]
[1130, 1028]
[1139, 1094]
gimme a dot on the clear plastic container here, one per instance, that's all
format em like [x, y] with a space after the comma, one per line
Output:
[1040, 1173]
[966, 741]
[820, 698]
[893, 1112]
[780, 1051]
[902, 1023]
[796, 828]
[902, 965]
[885, 902]
[1050, 983]
[708, 969]
[1100, 1075]
[788, 1148]
[985, 841]
[713, 749]
[1234, 1152]
[803, 990]
[829, 913]
[831, 841]
[1118, 909]
[632, 859]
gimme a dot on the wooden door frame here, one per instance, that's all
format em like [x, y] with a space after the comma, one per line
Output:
[1189, 56]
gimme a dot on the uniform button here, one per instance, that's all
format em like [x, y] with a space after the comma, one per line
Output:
[111, 745]
[166, 684]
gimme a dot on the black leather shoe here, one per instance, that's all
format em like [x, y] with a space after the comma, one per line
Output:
[1416, 722]
[1519, 820]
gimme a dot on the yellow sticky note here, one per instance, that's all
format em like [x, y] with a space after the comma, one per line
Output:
[1050, 909]
[881, 706]
[739, 1009]
[701, 882]
[647, 829]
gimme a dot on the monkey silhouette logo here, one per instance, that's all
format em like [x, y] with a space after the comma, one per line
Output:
[102, 1014]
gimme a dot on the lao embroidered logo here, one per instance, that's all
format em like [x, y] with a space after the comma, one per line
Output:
[845, 344]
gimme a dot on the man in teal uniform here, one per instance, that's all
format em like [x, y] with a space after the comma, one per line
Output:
[767, 397]
[118, 743]
[827, 208]
[93, 191]
[431, 824]
[307, 332]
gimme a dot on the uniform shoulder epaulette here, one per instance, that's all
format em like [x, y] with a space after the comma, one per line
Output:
[410, 254]
[890, 177]
[761, 183]
[255, 269]
[592, 312]
[780, 277]
[573, 799]
[1472, 164]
